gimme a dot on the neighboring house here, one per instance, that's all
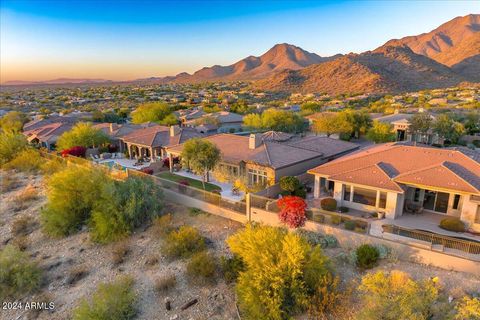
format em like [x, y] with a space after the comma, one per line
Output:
[264, 158]
[115, 131]
[386, 177]
[216, 122]
[401, 125]
[45, 132]
[151, 141]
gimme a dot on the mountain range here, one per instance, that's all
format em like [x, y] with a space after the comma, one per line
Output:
[444, 57]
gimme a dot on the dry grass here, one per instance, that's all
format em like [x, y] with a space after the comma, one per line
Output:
[21, 226]
[165, 283]
[76, 274]
[119, 252]
[23, 199]
[163, 225]
[21, 242]
[45, 298]
[152, 260]
[8, 182]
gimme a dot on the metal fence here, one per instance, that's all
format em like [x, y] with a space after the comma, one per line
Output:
[199, 194]
[264, 203]
[465, 246]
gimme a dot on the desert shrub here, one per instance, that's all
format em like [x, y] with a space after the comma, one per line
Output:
[183, 243]
[115, 300]
[336, 220]
[292, 186]
[165, 283]
[28, 160]
[10, 145]
[281, 271]
[21, 226]
[163, 225]
[201, 267]
[231, 267]
[292, 211]
[328, 204]
[349, 225]
[52, 166]
[332, 242]
[396, 296]
[72, 194]
[452, 224]
[468, 309]
[119, 252]
[76, 274]
[328, 301]
[383, 251]
[23, 199]
[313, 238]
[18, 274]
[124, 206]
[367, 256]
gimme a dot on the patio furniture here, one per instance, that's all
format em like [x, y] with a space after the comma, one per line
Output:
[413, 208]
[113, 155]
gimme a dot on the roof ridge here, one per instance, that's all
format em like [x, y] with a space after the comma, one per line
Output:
[267, 153]
[438, 164]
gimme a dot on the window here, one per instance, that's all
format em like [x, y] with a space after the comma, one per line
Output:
[347, 190]
[477, 216]
[382, 203]
[456, 201]
[257, 176]
[365, 196]
[416, 197]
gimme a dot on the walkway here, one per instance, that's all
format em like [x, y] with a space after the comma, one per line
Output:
[226, 192]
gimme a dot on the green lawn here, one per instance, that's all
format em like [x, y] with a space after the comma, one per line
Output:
[193, 183]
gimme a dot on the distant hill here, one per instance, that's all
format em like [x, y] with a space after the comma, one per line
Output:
[386, 69]
[280, 57]
[455, 43]
[55, 81]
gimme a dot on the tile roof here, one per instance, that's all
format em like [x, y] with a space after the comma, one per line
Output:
[274, 153]
[159, 136]
[430, 167]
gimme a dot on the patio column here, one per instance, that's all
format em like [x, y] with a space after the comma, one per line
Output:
[151, 154]
[316, 187]
[170, 162]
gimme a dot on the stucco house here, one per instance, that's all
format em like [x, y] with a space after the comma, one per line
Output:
[266, 157]
[45, 132]
[151, 141]
[392, 177]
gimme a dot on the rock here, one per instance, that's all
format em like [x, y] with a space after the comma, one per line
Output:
[175, 316]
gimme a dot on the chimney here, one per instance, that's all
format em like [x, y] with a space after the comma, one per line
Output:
[174, 130]
[254, 141]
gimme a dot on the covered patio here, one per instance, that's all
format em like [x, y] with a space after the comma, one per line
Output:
[227, 188]
[426, 221]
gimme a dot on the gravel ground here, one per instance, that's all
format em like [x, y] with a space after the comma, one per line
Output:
[57, 257]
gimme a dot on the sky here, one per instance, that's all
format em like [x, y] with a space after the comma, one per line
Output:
[126, 40]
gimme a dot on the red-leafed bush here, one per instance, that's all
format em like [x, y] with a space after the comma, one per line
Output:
[147, 170]
[292, 211]
[77, 151]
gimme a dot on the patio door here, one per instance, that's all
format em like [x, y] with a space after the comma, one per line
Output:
[436, 201]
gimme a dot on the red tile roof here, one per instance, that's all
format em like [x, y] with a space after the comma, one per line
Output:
[387, 166]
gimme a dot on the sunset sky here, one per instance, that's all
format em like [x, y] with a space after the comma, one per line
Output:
[125, 40]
